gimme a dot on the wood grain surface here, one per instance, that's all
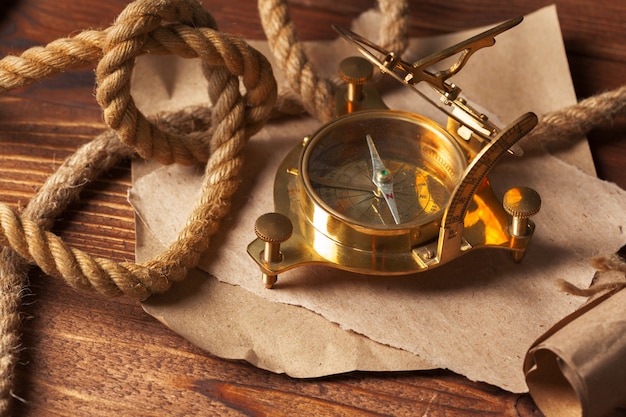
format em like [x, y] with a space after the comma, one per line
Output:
[85, 355]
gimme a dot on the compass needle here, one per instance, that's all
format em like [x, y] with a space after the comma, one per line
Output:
[382, 178]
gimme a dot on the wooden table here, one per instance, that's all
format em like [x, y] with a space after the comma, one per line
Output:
[86, 355]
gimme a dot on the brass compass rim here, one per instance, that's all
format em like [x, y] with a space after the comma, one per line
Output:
[451, 173]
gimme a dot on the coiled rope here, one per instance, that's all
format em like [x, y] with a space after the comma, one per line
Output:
[215, 136]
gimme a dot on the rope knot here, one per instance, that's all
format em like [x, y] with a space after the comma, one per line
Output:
[190, 32]
[213, 135]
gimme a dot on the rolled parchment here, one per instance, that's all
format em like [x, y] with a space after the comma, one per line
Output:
[578, 368]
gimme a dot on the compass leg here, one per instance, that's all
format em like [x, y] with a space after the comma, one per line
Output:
[273, 229]
[521, 203]
[271, 254]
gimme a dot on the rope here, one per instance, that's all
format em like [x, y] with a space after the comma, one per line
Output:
[214, 136]
[234, 119]
[59, 190]
[572, 123]
[314, 92]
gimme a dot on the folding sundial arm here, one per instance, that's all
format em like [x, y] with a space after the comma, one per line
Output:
[412, 74]
[418, 71]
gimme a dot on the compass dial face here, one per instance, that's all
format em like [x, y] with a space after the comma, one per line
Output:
[349, 190]
[403, 178]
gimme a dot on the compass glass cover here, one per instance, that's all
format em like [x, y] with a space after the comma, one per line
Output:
[382, 169]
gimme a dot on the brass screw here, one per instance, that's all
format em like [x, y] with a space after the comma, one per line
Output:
[273, 229]
[355, 71]
[521, 203]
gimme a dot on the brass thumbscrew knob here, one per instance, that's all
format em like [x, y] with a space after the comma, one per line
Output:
[521, 203]
[355, 71]
[273, 229]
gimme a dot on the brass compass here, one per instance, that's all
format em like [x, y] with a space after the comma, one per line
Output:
[386, 192]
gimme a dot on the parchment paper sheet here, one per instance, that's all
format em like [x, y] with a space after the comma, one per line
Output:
[476, 316]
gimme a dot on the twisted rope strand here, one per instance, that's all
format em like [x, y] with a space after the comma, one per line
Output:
[314, 93]
[57, 192]
[574, 122]
[393, 34]
[43, 62]
[12, 282]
